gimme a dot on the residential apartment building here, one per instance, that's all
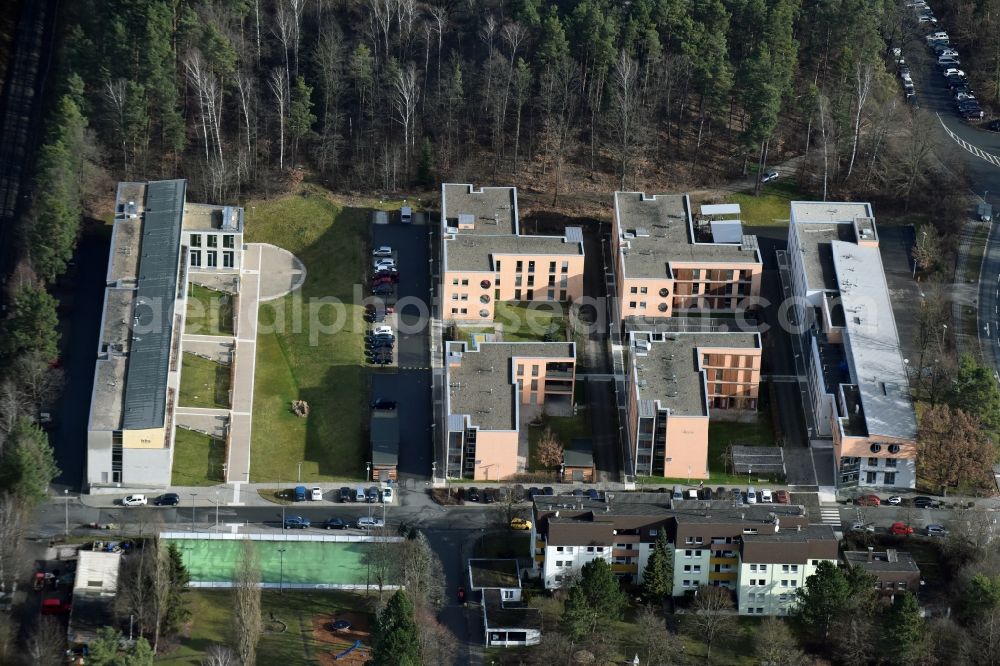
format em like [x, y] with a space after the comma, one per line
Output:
[761, 552]
[156, 241]
[774, 566]
[667, 263]
[485, 258]
[673, 382]
[895, 571]
[858, 387]
[493, 389]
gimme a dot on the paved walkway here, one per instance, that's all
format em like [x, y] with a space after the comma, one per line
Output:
[282, 274]
[245, 359]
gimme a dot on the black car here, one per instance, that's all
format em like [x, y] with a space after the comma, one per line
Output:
[578, 492]
[380, 360]
[374, 317]
[382, 290]
[593, 494]
[547, 490]
[489, 496]
[993, 126]
[379, 344]
[346, 494]
[334, 524]
[167, 499]
[384, 404]
[923, 502]
[372, 495]
[532, 492]
[472, 494]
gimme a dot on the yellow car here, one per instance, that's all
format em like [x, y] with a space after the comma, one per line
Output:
[520, 524]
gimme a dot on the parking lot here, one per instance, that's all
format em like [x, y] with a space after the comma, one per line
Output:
[408, 382]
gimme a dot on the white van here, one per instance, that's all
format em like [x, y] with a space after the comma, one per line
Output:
[766, 497]
[382, 330]
[316, 494]
[405, 215]
[751, 495]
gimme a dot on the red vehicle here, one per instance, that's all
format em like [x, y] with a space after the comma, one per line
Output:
[868, 500]
[56, 606]
[461, 595]
[900, 529]
[781, 496]
[377, 282]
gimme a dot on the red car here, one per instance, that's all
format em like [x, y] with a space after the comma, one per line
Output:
[781, 496]
[901, 529]
[868, 500]
[382, 280]
[56, 607]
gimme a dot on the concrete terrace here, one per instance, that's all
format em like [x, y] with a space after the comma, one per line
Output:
[493, 210]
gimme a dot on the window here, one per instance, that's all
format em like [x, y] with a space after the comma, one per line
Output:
[642, 304]
[497, 264]
[211, 257]
[873, 462]
[749, 530]
[552, 280]
[686, 583]
[531, 267]
[551, 295]
[871, 477]
[454, 310]
[559, 579]
[534, 370]
[753, 568]
[531, 280]
[518, 266]
[697, 568]
[569, 549]
[784, 568]
[227, 259]
[565, 267]
[763, 567]
[195, 240]
[465, 297]
[691, 540]
[465, 282]
[687, 553]
[464, 311]
[782, 597]
[697, 553]
[687, 568]
[889, 478]
[196, 258]
[795, 583]
[784, 582]
[454, 282]
[212, 241]
[643, 290]
[508, 594]
[600, 549]
[631, 304]
[559, 563]
[795, 568]
[229, 241]
[901, 585]
[534, 384]
[634, 290]
[652, 532]
[531, 295]
[520, 371]
[517, 294]
[559, 549]
[890, 462]
[552, 267]
[517, 280]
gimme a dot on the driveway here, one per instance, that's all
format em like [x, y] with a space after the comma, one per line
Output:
[409, 384]
[895, 244]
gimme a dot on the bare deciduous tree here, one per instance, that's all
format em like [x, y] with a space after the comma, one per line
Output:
[219, 655]
[711, 616]
[46, 643]
[248, 624]
[279, 88]
[12, 522]
[625, 112]
[864, 75]
[404, 101]
[550, 449]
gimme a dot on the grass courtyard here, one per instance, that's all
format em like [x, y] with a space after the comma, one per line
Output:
[302, 350]
[529, 321]
[198, 459]
[209, 312]
[301, 615]
[204, 383]
[771, 207]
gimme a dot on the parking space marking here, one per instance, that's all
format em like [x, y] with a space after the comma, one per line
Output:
[968, 147]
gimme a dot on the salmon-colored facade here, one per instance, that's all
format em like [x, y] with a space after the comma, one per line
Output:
[674, 381]
[489, 386]
[666, 264]
[485, 258]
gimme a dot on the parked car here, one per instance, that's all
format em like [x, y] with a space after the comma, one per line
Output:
[134, 500]
[766, 497]
[384, 264]
[769, 176]
[315, 493]
[895, 500]
[383, 290]
[547, 490]
[346, 495]
[334, 524]
[383, 282]
[593, 494]
[383, 359]
[936, 530]
[382, 251]
[299, 494]
[751, 495]
[296, 523]
[406, 215]
[56, 606]
[167, 499]
[372, 346]
[924, 502]
[781, 496]
[868, 500]
[862, 527]
[381, 330]
[520, 524]
[383, 404]
[578, 492]
[372, 495]
[359, 494]
[489, 496]
[900, 529]
[472, 494]
[387, 495]
[367, 523]
[533, 492]
[737, 495]
[993, 126]
[386, 272]
[705, 493]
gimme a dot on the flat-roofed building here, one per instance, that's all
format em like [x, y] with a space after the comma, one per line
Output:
[674, 381]
[485, 257]
[668, 263]
[858, 387]
[507, 620]
[773, 566]
[895, 571]
[137, 375]
[489, 383]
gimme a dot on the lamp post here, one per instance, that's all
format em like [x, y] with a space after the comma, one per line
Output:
[281, 570]
[66, 506]
[300, 471]
[216, 510]
[192, 511]
[368, 471]
[749, 472]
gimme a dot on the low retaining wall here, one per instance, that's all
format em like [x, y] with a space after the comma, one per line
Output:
[333, 538]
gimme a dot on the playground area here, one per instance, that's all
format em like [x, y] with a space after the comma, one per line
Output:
[351, 647]
[312, 564]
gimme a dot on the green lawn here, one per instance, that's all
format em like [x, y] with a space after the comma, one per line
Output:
[566, 428]
[976, 250]
[209, 312]
[204, 383]
[771, 207]
[211, 613]
[529, 321]
[198, 459]
[313, 360]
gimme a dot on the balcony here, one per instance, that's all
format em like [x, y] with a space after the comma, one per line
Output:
[723, 559]
[539, 558]
[722, 575]
[625, 568]
[624, 552]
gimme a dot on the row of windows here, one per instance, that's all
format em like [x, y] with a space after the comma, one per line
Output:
[692, 553]
[889, 462]
[713, 274]
[762, 596]
[519, 266]
[550, 295]
[785, 582]
[688, 568]
[212, 240]
[211, 259]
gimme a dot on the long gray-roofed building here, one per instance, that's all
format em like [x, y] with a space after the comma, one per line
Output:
[485, 258]
[858, 389]
[488, 384]
[671, 262]
[673, 383]
[130, 434]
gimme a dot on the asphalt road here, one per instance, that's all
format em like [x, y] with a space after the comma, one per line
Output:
[979, 151]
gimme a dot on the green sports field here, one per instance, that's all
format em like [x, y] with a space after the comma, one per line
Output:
[306, 562]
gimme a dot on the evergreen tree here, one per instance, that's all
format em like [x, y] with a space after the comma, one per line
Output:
[425, 166]
[975, 392]
[31, 326]
[27, 464]
[822, 600]
[658, 578]
[603, 592]
[396, 642]
[177, 612]
[578, 617]
[104, 650]
[903, 631]
[554, 46]
[300, 115]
